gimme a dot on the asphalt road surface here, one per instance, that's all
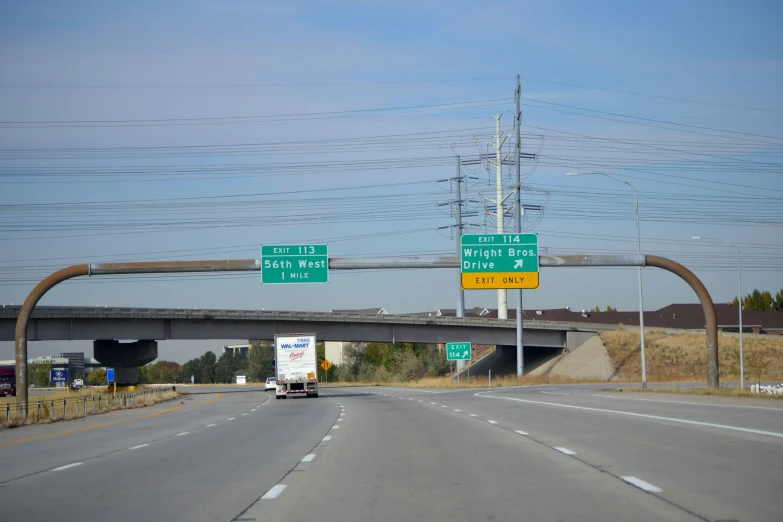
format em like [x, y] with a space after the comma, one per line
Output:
[387, 454]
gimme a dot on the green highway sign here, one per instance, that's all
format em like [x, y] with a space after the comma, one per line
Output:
[458, 351]
[281, 264]
[499, 261]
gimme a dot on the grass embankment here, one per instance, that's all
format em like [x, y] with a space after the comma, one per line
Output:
[683, 357]
[51, 408]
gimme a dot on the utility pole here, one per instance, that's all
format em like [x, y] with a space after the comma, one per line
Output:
[500, 213]
[460, 291]
[517, 209]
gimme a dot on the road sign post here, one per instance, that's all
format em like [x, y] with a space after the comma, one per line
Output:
[110, 375]
[326, 365]
[499, 261]
[458, 352]
[285, 264]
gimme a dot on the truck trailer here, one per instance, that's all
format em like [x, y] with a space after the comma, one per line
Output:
[296, 360]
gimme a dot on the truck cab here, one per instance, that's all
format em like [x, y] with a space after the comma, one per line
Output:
[7, 381]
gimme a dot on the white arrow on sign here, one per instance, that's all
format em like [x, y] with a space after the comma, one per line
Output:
[518, 263]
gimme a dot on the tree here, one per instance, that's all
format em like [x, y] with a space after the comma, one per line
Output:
[761, 301]
[97, 377]
[260, 363]
[610, 309]
[192, 368]
[207, 365]
[779, 301]
[38, 374]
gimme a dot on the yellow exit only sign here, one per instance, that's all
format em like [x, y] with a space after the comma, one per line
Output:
[499, 280]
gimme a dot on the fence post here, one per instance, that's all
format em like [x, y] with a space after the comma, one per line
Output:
[65, 406]
[8, 412]
[38, 412]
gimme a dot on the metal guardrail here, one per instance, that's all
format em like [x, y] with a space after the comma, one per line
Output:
[81, 406]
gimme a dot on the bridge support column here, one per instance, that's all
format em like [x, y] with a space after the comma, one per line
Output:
[125, 358]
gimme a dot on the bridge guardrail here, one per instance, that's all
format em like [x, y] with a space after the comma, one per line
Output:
[77, 406]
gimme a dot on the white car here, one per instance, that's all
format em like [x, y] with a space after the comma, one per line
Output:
[271, 384]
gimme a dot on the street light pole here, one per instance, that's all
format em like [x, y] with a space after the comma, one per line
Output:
[739, 301]
[639, 252]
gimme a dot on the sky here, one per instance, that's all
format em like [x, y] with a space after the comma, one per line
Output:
[204, 129]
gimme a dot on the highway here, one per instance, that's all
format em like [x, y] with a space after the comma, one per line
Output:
[537, 453]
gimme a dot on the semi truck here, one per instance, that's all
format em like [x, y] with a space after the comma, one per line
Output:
[7, 380]
[295, 365]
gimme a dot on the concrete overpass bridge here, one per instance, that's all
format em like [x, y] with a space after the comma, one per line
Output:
[49, 323]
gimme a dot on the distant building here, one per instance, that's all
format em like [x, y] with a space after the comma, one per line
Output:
[236, 349]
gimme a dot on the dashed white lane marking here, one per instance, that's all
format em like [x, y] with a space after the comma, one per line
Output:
[458, 411]
[254, 409]
[554, 393]
[342, 415]
[444, 406]
[492, 422]
[413, 390]
[68, 466]
[244, 414]
[309, 457]
[433, 404]
[638, 415]
[639, 483]
[420, 400]
[472, 414]
[210, 425]
[520, 432]
[139, 446]
[691, 403]
[231, 418]
[565, 450]
[274, 492]
[327, 438]
[183, 433]
[340, 420]
[335, 427]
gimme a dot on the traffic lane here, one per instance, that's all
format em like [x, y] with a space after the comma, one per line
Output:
[751, 414]
[717, 473]
[210, 473]
[38, 448]
[397, 459]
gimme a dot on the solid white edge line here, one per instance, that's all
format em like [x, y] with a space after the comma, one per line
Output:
[639, 415]
[554, 393]
[520, 432]
[183, 433]
[327, 438]
[639, 483]
[139, 446]
[309, 457]
[663, 401]
[565, 450]
[68, 466]
[210, 425]
[492, 422]
[274, 492]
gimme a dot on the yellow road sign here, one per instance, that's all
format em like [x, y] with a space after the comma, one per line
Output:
[499, 280]
[326, 365]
